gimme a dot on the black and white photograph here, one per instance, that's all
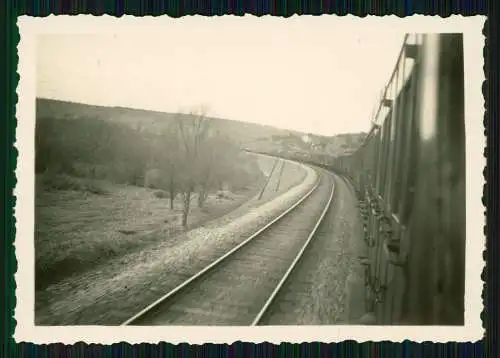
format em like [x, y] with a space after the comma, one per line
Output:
[257, 174]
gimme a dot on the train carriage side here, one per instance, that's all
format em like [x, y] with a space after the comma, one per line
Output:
[436, 263]
[410, 174]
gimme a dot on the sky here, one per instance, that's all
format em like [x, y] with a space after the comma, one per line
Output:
[307, 74]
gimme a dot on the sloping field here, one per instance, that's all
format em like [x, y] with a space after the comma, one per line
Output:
[78, 229]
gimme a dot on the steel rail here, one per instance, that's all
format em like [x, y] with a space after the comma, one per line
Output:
[220, 259]
[295, 261]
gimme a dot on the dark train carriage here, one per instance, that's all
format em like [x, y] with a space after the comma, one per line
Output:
[410, 174]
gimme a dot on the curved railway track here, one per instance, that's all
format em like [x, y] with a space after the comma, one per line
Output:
[239, 287]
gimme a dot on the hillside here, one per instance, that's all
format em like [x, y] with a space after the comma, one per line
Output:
[248, 135]
[150, 121]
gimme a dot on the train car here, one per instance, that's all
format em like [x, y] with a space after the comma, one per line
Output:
[410, 176]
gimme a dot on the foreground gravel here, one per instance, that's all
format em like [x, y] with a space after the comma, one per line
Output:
[110, 295]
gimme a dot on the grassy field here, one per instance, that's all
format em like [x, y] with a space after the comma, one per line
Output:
[92, 221]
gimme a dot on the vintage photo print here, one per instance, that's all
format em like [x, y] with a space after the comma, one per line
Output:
[303, 179]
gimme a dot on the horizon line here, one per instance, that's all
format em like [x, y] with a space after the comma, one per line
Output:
[302, 132]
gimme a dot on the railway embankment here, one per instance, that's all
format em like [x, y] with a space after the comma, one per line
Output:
[109, 294]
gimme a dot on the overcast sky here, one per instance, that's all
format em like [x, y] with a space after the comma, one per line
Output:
[313, 76]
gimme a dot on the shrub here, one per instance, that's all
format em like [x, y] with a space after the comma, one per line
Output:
[61, 182]
[94, 188]
[160, 194]
[66, 182]
[222, 194]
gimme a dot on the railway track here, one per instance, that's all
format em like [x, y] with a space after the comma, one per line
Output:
[239, 287]
[316, 292]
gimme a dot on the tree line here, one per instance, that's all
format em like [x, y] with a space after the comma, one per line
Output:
[191, 156]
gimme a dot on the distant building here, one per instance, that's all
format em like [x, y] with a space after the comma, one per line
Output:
[306, 138]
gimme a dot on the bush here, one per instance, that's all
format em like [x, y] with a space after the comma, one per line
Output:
[66, 182]
[90, 147]
[160, 194]
[222, 194]
[60, 182]
[239, 187]
[94, 188]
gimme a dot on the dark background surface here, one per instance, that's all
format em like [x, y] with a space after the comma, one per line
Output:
[8, 82]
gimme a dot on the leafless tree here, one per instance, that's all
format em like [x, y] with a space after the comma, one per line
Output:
[172, 162]
[206, 169]
[218, 151]
[193, 132]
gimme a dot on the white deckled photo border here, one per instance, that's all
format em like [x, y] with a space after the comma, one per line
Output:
[27, 331]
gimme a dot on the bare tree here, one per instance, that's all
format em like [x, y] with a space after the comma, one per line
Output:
[206, 170]
[193, 131]
[217, 153]
[171, 162]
